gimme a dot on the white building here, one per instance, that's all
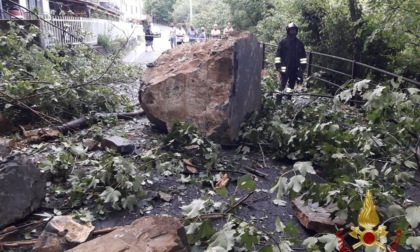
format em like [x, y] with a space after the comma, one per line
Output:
[132, 10]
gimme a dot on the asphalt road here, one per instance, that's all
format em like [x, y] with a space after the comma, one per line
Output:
[138, 54]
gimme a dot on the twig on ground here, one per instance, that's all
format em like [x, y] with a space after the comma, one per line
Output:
[105, 230]
[17, 244]
[239, 202]
[216, 170]
[13, 229]
[256, 172]
[262, 153]
[256, 200]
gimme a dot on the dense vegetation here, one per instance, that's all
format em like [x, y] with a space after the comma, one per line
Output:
[59, 83]
[384, 34]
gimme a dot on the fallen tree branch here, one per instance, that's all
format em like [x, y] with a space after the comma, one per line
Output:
[105, 230]
[54, 131]
[217, 170]
[17, 244]
[308, 94]
[255, 172]
[25, 107]
[262, 153]
[239, 202]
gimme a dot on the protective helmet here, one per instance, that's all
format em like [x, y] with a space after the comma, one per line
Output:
[290, 26]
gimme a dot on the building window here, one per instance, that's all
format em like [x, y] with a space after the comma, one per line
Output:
[32, 4]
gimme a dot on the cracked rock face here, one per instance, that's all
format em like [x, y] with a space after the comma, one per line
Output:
[154, 233]
[212, 85]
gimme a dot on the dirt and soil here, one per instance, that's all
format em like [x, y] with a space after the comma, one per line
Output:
[258, 208]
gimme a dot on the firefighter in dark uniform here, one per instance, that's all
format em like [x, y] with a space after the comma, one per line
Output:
[290, 58]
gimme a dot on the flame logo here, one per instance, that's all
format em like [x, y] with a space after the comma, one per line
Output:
[368, 219]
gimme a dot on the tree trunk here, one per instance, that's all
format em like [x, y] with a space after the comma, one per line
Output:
[356, 18]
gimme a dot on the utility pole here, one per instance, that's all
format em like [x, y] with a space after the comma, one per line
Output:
[191, 12]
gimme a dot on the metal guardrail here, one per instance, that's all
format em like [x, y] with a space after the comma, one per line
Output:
[355, 67]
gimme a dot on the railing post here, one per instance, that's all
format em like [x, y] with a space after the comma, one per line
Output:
[353, 70]
[263, 56]
[310, 64]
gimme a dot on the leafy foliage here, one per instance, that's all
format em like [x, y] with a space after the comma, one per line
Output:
[111, 179]
[57, 83]
[161, 9]
[353, 148]
[205, 13]
[184, 136]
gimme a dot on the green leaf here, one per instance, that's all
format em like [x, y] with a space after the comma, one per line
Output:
[246, 182]
[291, 229]
[248, 240]
[394, 210]
[279, 202]
[84, 215]
[216, 249]
[222, 191]
[245, 149]
[129, 202]
[360, 85]
[190, 229]
[330, 240]
[110, 195]
[413, 216]
[193, 210]
[414, 242]
[285, 246]
[279, 225]
[206, 230]
[410, 164]
[304, 167]
[281, 187]
[224, 238]
[78, 151]
[296, 183]
[310, 241]
[267, 248]
[413, 90]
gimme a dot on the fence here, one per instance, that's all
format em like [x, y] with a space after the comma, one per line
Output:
[74, 30]
[357, 71]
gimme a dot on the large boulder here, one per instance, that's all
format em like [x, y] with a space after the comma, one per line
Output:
[22, 189]
[153, 233]
[213, 85]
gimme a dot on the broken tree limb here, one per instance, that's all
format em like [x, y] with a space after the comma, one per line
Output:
[17, 244]
[256, 172]
[239, 202]
[215, 170]
[25, 107]
[105, 230]
[46, 133]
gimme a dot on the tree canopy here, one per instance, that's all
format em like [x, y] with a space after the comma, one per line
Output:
[205, 13]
